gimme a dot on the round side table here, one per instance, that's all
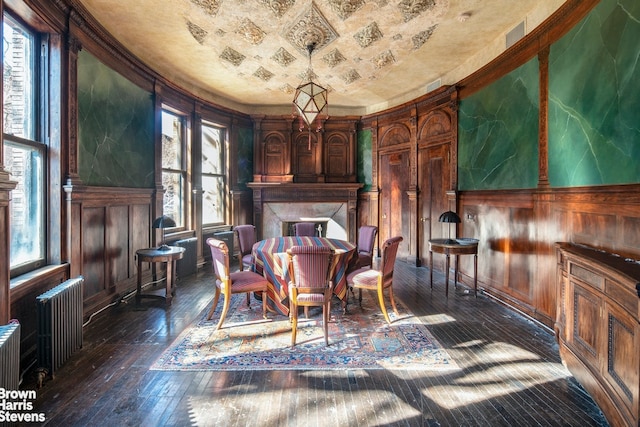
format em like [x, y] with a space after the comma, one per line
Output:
[455, 247]
[151, 255]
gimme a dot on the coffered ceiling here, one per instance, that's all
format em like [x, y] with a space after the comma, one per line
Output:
[250, 55]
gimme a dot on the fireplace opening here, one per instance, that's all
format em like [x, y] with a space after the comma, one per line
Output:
[320, 226]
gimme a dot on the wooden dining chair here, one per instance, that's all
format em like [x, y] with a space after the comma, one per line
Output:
[378, 280]
[304, 228]
[366, 239]
[229, 283]
[247, 237]
[310, 284]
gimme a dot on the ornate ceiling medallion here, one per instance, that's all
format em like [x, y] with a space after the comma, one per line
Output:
[287, 88]
[368, 35]
[351, 76]
[413, 8]
[197, 32]
[383, 59]
[311, 27]
[422, 37]
[250, 31]
[333, 58]
[283, 57]
[232, 56]
[345, 8]
[210, 7]
[278, 7]
[263, 74]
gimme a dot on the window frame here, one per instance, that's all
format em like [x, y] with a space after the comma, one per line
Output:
[224, 174]
[40, 111]
[183, 170]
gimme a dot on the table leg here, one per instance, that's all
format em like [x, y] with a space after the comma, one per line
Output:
[475, 274]
[431, 269]
[169, 291]
[446, 277]
[455, 272]
[139, 287]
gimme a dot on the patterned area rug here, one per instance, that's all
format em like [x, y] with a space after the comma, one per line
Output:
[360, 339]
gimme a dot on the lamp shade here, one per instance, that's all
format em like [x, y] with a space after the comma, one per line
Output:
[449, 216]
[310, 100]
[163, 221]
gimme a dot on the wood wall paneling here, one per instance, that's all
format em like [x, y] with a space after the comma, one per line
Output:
[107, 226]
[23, 296]
[433, 181]
[598, 327]
[394, 201]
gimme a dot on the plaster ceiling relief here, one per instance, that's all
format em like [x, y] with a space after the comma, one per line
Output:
[370, 54]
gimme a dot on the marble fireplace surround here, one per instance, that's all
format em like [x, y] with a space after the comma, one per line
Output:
[275, 203]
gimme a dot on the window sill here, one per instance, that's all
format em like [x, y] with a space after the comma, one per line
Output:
[20, 285]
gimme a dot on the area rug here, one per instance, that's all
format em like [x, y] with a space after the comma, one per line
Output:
[360, 339]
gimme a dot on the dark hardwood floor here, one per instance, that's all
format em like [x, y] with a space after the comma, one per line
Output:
[511, 374]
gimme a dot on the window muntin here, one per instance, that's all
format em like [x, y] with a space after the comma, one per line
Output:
[19, 79]
[24, 156]
[213, 175]
[174, 173]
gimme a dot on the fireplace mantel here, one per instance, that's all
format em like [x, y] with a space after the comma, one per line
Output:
[290, 201]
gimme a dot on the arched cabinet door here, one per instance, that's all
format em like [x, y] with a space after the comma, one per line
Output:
[339, 158]
[275, 155]
[306, 150]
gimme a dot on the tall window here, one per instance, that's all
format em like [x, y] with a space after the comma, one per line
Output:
[174, 166]
[24, 148]
[213, 175]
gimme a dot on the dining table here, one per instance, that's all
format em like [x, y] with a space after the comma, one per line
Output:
[271, 260]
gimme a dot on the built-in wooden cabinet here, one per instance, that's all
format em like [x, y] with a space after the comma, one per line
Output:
[285, 153]
[598, 327]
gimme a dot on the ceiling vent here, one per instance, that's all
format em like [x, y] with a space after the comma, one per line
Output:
[514, 35]
[434, 85]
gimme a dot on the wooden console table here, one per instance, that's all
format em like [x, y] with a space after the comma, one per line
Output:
[151, 255]
[598, 327]
[455, 247]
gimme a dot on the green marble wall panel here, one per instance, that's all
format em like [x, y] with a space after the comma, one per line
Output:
[498, 133]
[594, 99]
[115, 128]
[245, 155]
[365, 166]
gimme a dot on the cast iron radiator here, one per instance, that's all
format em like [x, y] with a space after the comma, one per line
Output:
[59, 317]
[188, 264]
[10, 356]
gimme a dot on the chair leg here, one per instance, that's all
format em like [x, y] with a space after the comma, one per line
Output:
[249, 299]
[264, 304]
[225, 309]
[393, 302]
[325, 322]
[360, 297]
[294, 323]
[382, 307]
[345, 302]
[214, 304]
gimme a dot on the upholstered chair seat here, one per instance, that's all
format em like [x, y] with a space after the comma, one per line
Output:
[310, 284]
[378, 280]
[228, 283]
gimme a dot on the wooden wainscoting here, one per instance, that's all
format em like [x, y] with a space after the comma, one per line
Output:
[517, 231]
[106, 227]
[23, 293]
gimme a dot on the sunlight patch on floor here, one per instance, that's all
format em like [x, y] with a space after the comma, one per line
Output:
[485, 384]
[497, 352]
[436, 319]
